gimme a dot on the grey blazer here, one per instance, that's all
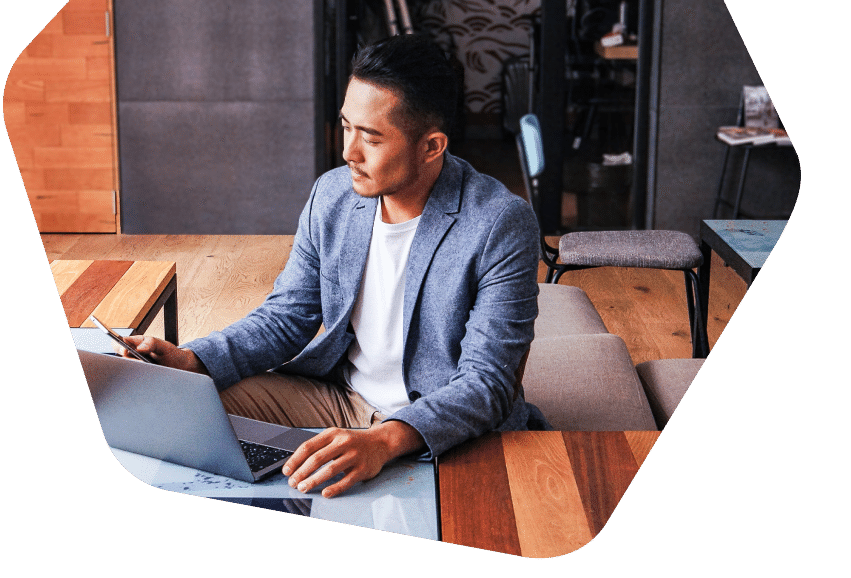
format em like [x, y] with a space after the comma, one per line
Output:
[469, 307]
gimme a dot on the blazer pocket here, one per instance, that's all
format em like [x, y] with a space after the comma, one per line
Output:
[329, 275]
[332, 299]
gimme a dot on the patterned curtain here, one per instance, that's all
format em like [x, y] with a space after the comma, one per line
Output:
[483, 34]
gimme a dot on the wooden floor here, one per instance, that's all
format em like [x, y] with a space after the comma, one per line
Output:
[221, 278]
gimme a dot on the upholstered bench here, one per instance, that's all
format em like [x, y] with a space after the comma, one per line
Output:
[581, 377]
[586, 382]
[566, 310]
[665, 382]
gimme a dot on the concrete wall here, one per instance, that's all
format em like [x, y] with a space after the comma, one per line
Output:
[704, 64]
[216, 114]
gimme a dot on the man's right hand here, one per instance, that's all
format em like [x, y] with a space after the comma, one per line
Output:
[163, 353]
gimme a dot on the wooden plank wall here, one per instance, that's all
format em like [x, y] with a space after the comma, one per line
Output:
[59, 108]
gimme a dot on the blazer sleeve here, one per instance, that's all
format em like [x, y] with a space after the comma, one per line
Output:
[480, 396]
[281, 327]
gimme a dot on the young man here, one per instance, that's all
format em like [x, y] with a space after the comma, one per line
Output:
[422, 271]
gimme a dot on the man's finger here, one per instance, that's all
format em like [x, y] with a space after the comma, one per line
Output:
[307, 449]
[338, 488]
[146, 344]
[320, 476]
[313, 464]
[120, 350]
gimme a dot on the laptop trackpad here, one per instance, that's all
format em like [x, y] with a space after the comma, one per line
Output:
[290, 439]
[269, 434]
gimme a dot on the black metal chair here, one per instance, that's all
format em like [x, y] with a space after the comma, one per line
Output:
[651, 249]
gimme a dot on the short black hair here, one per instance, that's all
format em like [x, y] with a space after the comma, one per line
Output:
[419, 73]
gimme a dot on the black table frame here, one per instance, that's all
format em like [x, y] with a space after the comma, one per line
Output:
[167, 301]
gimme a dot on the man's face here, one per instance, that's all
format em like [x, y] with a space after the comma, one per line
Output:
[381, 158]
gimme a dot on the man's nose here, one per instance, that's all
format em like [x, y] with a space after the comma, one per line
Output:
[351, 152]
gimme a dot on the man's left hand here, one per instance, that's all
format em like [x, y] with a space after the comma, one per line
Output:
[359, 453]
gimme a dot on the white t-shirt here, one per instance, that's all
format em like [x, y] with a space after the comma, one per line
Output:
[375, 357]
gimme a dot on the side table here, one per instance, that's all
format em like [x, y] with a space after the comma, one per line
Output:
[122, 294]
[743, 244]
[740, 184]
[400, 499]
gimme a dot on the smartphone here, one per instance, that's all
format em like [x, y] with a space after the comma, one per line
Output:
[120, 340]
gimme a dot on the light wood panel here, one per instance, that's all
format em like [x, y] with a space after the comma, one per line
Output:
[621, 52]
[90, 288]
[60, 115]
[118, 292]
[129, 301]
[66, 272]
[220, 278]
[641, 442]
[547, 503]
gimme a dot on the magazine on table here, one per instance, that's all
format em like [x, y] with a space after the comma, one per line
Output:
[739, 135]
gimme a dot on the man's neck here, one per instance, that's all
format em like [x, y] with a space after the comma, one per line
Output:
[402, 208]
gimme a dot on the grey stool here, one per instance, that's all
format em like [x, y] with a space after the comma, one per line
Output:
[671, 250]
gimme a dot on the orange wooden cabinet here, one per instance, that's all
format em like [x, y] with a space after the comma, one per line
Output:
[59, 106]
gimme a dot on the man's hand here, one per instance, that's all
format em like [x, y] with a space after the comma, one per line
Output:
[163, 353]
[359, 453]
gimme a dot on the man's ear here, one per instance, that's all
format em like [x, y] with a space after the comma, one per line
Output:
[435, 145]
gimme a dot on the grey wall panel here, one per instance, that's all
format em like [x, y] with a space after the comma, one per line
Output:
[214, 50]
[216, 114]
[215, 168]
[689, 161]
[703, 65]
[703, 56]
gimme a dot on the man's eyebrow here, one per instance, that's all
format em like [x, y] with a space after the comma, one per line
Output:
[365, 129]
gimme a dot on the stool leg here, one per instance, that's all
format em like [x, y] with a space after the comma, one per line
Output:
[742, 176]
[703, 274]
[721, 183]
[699, 335]
[691, 312]
[549, 255]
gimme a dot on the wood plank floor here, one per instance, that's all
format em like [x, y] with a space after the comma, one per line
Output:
[220, 278]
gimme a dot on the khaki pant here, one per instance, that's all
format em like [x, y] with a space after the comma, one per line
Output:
[296, 401]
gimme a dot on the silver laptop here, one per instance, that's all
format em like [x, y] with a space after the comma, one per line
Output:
[177, 416]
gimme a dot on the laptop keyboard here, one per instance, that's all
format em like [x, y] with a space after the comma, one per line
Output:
[260, 456]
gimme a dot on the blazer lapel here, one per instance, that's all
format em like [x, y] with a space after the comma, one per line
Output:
[436, 220]
[356, 247]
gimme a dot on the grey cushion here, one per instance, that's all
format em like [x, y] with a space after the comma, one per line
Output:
[665, 383]
[586, 383]
[565, 310]
[649, 249]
